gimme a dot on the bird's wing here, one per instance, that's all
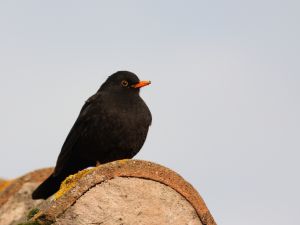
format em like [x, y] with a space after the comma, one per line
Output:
[78, 130]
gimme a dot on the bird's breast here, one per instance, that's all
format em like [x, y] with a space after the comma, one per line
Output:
[118, 131]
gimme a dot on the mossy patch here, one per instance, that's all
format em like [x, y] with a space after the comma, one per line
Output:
[32, 213]
[30, 223]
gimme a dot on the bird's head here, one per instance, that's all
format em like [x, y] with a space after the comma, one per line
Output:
[123, 81]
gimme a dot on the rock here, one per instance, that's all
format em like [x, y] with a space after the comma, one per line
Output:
[122, 192]
[130, 201]
[15, 197]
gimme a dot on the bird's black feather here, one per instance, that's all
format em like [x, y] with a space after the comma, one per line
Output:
[112, 125]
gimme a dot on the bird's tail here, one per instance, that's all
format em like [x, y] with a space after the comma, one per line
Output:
[47, 188]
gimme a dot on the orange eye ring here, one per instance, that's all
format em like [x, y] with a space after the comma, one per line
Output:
[124, 83]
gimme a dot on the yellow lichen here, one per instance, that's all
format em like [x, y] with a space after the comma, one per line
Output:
[122, 161]
[71, 182]
[4, 184]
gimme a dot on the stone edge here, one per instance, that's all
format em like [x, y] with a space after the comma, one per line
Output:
[126, 168]
[15, 185]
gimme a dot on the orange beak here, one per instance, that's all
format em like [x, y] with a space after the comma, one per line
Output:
[142, 84]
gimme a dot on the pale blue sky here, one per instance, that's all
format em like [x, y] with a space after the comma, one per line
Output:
[224, 98]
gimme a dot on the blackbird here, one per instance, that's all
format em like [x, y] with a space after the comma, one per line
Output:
[112, 125]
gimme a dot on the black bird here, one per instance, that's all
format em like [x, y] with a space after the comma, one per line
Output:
[112, 125]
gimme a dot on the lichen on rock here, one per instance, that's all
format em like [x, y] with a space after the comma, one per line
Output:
[70, 182]
[4, 184]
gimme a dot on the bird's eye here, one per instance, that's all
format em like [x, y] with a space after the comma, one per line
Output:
[124, 83]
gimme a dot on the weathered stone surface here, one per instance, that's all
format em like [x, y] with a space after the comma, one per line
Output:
[16, 208]
[124, 168]
[130, 201]
[121, 192]
[15, 197]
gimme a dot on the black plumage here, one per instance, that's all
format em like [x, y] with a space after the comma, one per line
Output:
[112, 125]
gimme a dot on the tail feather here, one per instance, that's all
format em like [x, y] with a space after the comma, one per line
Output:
[47, 188]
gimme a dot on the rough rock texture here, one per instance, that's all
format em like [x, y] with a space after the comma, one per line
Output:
[124, 168]
[122, 192]
[130, 201]
[16, 208]
[15, 197]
